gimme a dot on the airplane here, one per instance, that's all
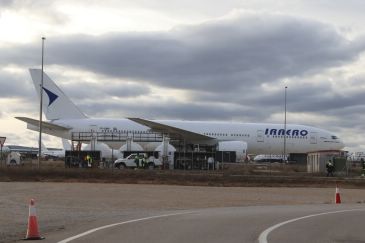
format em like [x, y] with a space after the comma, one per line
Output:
[5, 149]
[65, 118]
[270, 158]
[20, 149]
[105, 151]
[55, 153]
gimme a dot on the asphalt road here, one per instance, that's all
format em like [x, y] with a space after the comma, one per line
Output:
[217, 214]
[300, 223]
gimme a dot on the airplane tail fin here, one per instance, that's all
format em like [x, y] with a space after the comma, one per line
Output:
[56, 105]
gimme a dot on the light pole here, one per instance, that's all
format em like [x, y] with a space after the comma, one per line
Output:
[284, 155]
[41, 110]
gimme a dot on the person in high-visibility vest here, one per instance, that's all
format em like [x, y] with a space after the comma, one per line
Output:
[330, 168]
[141, 161]
[89, 160]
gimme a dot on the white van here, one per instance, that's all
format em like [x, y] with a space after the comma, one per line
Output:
[130, 162]
[14, 158]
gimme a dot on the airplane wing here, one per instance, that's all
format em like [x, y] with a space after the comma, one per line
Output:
[46, 125]
[159, 127]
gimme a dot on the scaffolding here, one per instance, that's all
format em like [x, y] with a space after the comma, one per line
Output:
[188, 156]
[116, 137]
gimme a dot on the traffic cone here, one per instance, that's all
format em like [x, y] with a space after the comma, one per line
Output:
[32, 231]
[338, 197]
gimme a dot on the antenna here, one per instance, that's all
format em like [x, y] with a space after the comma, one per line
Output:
[284, 158]
[41, 110]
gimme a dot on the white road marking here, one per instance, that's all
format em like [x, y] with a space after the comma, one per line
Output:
[265, 233]
[116, 224]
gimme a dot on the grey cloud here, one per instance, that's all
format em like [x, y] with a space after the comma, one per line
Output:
[351, 117]
[223, 64]
[25, 4]
[219, 55]
[325, 97]
[128, 90]
[14, 86]
[7, 3]
[301, 97]
[216, 56]
[81, 90]
[325, 103]
[37, 9]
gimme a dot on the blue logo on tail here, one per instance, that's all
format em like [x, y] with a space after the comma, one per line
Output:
[52, 97]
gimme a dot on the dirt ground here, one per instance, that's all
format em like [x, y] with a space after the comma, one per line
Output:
[63, 206]
[70, 201]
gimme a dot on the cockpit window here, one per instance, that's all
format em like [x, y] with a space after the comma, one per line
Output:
[334, 137]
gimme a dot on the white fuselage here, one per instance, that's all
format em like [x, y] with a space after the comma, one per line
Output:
[260, 137]
[54, 153]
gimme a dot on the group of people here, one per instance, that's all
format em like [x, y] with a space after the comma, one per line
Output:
[141, 161]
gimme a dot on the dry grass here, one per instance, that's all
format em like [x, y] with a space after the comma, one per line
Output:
[267, 168]
[276, 176]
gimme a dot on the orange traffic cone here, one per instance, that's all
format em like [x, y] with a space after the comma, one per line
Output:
[32, 231]
[338, 197]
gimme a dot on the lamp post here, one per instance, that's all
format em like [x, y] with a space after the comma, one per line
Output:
[284, 155]
[41, 110]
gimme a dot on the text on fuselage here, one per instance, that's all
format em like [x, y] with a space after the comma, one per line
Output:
[289, 132]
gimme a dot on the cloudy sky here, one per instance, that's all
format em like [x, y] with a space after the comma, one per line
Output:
[193, 60]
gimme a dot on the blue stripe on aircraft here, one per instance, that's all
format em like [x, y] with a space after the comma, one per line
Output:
[52, 96]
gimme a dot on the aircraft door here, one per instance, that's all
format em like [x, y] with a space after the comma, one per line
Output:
[313, 138]
[260, 136]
